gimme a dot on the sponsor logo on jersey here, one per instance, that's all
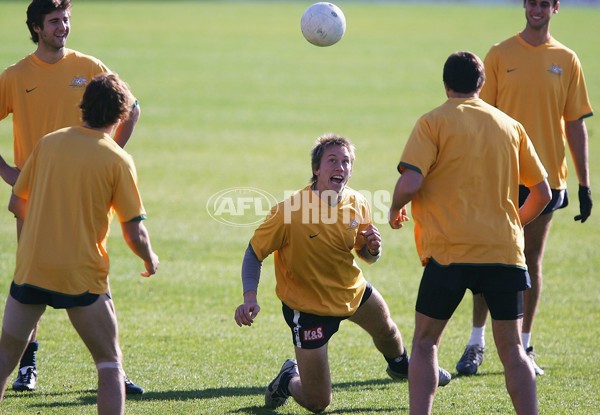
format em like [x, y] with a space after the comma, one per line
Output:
[78, 82]
[313, 334]
[555, 70]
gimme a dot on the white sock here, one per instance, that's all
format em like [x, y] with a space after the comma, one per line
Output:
[525, 339]
[477, 336]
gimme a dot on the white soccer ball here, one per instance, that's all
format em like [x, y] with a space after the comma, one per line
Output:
[323, 24]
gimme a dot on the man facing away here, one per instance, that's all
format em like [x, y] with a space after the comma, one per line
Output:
[65, 194]
[43, 92]
[461, 170]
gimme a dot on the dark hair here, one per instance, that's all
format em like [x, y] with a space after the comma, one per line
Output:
[106, 100]
[324, 141]
[38, 9]
[553, 2]
[464, 72]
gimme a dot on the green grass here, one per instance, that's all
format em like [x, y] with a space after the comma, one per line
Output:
[232, 96]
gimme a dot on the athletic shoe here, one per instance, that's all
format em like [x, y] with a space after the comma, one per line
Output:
[538, 370]
[277, 392]
[26, 379]
[444, 377]
[471, 359]
[131, 388]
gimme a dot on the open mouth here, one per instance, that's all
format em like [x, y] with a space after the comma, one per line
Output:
[337, 179]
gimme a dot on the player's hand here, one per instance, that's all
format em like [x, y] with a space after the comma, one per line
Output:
[396, 217]
[246, 313]
[372, 239]
[585, 203]
[151, 266]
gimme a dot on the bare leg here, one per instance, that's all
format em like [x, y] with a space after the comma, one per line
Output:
[374, 317]
[97, 326]
[18, 322]
[33, 337]
[536, 234]
[518, 373]
[312, 389]
[424, 367]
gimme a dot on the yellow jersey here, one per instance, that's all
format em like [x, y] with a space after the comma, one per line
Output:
[315, 268]
[74, 177]
[541, 87]
[44, 97]
[472, 157]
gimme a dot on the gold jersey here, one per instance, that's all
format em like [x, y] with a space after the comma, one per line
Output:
[472, 157]
[315, 268]
[541, 87]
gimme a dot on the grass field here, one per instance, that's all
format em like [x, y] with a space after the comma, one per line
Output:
[232, 96]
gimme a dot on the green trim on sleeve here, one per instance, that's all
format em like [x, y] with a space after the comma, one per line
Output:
[402, 166]
[138, 218]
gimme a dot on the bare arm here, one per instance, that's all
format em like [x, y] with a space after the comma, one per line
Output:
[8, 173]
[125, 128]
[538, 198]
[578, 144]
[577, 138]
[137, 238]
[17, 206]
[407, 186]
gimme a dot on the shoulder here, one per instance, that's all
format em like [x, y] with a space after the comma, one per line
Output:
[15, 69]
[73, 55]
[506, 43]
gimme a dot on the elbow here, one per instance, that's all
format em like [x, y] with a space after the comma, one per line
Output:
[135, 113]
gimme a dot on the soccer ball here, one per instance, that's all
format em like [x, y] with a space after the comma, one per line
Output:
[323, 24]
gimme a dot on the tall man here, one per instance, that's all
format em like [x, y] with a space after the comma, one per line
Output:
[461, 168]
[43, 91]
[538, 81]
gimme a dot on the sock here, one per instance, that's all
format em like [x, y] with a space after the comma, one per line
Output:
[477, 336]
[399, 364]
[525, 339]
[29, 358]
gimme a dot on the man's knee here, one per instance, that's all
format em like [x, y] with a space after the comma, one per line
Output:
[318, 404]
[384, 328]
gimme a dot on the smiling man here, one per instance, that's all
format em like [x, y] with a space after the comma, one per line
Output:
[319, 283]
[539, 82]
[43, 92]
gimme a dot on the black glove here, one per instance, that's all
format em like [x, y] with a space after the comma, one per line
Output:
[585, 203]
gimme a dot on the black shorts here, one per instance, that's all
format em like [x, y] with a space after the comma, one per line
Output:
[560, 199]
[27, 294]
[443, 287]
[310, 331]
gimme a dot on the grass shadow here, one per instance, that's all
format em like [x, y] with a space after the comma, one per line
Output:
[88, 396]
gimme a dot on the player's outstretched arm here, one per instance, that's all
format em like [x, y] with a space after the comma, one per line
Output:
[138, 239]
[251, 266]
[246, 313]
[407, 185]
